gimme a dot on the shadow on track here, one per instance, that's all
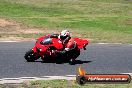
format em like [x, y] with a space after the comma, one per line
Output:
[81, 62]
[76, 62]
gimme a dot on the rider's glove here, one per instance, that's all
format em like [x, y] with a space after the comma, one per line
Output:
[61, 52]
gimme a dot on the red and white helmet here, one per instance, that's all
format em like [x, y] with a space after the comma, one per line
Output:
[64, 34]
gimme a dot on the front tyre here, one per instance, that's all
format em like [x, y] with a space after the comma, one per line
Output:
[29, 56]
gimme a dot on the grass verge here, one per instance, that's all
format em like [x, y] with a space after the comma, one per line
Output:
[99, 20]
[62, 84]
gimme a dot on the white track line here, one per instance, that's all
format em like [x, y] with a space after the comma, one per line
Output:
[23, 79]
[9, 41]
[128, 73]
[108, 43]
[102, 43]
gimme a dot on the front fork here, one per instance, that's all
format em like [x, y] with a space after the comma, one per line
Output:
[37, 53]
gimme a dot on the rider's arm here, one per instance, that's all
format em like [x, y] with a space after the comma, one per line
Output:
[61, 52]
[69, 47]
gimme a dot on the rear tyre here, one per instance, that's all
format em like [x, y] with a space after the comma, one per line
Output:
[29, 56]
[58, 62]
[72, 61]
[73, 55]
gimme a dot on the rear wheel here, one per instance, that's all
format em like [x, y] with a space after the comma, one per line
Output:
[72, 61]
[73, 55]
[29, 56]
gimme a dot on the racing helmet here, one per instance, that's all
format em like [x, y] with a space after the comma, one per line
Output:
[64, 34]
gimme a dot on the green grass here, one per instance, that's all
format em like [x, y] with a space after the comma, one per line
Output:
[62, 84]
[73, 84]
[99, 20]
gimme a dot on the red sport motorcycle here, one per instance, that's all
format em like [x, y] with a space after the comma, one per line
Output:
[45, 46]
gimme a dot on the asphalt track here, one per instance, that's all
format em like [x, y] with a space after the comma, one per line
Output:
[98, 58]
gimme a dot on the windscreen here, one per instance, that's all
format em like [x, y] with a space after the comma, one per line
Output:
[46, 41]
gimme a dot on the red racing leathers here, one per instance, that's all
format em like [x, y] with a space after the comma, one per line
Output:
[69, 47]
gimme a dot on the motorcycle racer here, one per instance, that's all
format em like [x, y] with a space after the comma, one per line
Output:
[64, 36]
[56, 47]
[68, 43]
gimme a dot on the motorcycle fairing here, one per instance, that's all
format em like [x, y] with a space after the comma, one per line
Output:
[81, 43]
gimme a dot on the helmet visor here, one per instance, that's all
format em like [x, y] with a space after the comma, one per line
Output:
[63, 37]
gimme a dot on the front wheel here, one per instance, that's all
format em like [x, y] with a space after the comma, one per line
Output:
[29, 56]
